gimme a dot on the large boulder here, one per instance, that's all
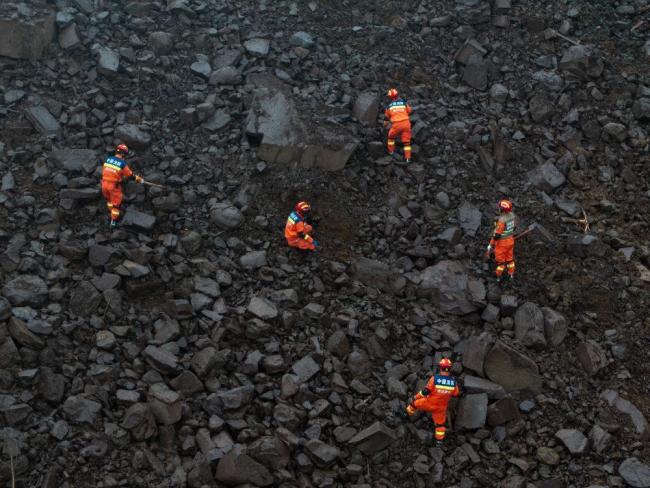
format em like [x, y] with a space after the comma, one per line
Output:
[546, 177]
[26, 290]
[451, 288]
[529, 326]
[366, 108]
[472, 411]
[582, 61]
[373, 439]
[635, 473]
[75, 160]
[511, 369]
[377, 274]
[275, 122]
[238, 469]
[26, 39]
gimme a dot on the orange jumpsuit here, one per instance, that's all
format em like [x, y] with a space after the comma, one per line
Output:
[113, 172]
[296, 231]
[440, 388]
[397, 113]
[503, 242]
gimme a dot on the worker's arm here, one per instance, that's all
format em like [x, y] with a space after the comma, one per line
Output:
[303, 228]
[408, 109]
[127, 173]
[497, 231]
[456, 391]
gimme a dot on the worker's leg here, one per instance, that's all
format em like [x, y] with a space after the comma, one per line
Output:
[504, 255]
[305, 244]
[392, 135]
[439, 417]
[116, 203]
[406, 141]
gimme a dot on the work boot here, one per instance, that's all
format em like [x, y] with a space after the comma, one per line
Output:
[113, 225]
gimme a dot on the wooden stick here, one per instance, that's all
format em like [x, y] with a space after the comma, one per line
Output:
[637, 25]
[561, 36]
[155, 185]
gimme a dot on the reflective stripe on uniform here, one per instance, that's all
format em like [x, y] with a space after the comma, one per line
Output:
[407, 148]
[441, 387]
[391, 143]
[112, 166]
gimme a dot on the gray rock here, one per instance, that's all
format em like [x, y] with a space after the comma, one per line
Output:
[511, 369]
[549, 80]
[218, 121]
[323, 455]
[60, 430]
[600, 439]
[13, 96]
[235, 469]
[276, 125]
[43, 121]
[302, 39]
[451, 288]
[226, 216]
[546, 177]
[635, 473]
[257, 47]
[201, 69]
[236, 397]
[187, 384]
[471, 47]
[27, 290]
[616, 131]
[472, 411]
[108, 62]
[584, 245]
[529, 326]
[140, 421]
[69, 37]
[26, 39]
[338, 344]
[262, 308]
[490, 313]
[226, 75]
[51, 386]
[80, 410]
[473, 384]
[133, 136]
[160, 359]
[366, 108]
[582, 62]
[548, 456]
[22, 335]
[75, 160]
[626, 407]
[374, 273]
[9, 355]
[85, 299]
[305, 369]
[79, 194]
[591, 356]
[641, 108]
[5, 309]
[475, 73]
[574, 440]
[541, 108]
[502, 411]
[253, 260]
[161, 42]
[555, 326]
[165, 404]
[139, 220]
[167, 329]
[469, 218]
[475, 351]
[499, 93]
[207, 286]
[271, 452]
[373, 439]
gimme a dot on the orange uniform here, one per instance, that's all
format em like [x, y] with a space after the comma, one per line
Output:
[114, 171]
[397, 113]
[503, 242]
[434, 400]
[296, 231]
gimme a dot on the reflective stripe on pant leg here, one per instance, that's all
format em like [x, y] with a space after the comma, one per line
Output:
[115, 213]
[391, 145]
[407, 152]
[441, 431]
[500, 269]
[511, 268]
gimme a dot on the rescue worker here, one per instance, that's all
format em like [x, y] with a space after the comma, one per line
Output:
[297, 231]
[503, 241]
[114, 171]
[434, 398]
[397, 114]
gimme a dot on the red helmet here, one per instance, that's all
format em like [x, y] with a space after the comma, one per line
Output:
[445, 363]
[392, 93]
[505, 206]
[302, 207]
[122, 149]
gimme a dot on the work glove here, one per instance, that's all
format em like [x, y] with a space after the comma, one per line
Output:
[410, 410]
[488, 251]
[138, 179]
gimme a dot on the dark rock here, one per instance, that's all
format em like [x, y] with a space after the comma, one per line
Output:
[165, 404]
[262, 308]
[529, 326]
[502, 411]
[635, 473]
[305, 369]
[475, 351]
[237, 469]
[472, 411]
[591, 357]
[475, 73]
[271, 452]
[133, 136]
[600, 439]
[574, 440]
[374, 273]
[582, 62]
[75, 160]
[366, 108]
[451, 288]
[469, 218]
[236, 397]
[139, 420]
[546, 177]
[472, 384]
[26, 289]
[140, 220]
[324, 455]
[81, 410]
[373, 439]
[511, 369]
[160, 359]
[26, 39]
[584, 245]
[226, 216]
[555, 326]
[84, 299]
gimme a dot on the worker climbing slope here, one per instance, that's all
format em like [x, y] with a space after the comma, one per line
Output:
[397, 114]
[298, 230]
[114, 171]
[434, 398]
[502, 242]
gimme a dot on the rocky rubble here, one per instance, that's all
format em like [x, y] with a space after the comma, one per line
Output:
[190, 348]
